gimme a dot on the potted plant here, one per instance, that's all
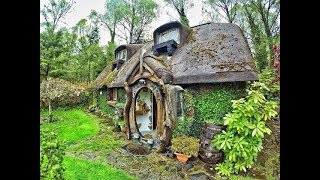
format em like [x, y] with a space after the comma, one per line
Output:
[185, 147]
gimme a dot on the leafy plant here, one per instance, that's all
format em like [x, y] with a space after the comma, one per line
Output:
[269, 78]
[52, 151]
[185, 145]
[242, 140]
[120, 105]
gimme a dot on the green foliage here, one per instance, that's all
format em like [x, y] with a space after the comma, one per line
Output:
[184, 20]
[83, 169]
[52, 151]
[122, 96]
[103, 104]
[181, 7]
[136, 17]
[242, 140]
[82, 125]
[212, 106]
[268, 77]
[110, 52]
[185, 145]
[206, 104]
[184, 126]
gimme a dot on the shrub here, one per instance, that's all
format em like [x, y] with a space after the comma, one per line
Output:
[61, 93]
[185, 145]
[243, 137]
[52, 151]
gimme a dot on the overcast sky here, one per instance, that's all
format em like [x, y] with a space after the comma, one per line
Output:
[82, 9]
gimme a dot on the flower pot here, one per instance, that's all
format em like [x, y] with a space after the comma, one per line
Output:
[182, 157]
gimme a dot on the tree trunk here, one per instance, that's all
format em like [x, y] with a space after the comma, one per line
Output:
[183, 18]
[88, 79]
[50, 112]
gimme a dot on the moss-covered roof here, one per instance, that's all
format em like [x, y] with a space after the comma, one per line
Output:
[100, 80]
[212, 52]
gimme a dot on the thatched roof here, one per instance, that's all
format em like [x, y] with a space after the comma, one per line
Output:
[215, 52]
[212, 52]
[98, 82]
[128, 67]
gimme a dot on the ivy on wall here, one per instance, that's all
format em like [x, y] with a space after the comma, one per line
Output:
[207, 103]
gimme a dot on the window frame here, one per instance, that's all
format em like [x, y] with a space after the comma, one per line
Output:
[168, 31]
[122, 54]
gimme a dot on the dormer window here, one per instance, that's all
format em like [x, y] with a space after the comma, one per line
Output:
[168, 35]
[122, 54]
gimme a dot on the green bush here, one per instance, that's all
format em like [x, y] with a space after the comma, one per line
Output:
[243, 137]
[52, 151]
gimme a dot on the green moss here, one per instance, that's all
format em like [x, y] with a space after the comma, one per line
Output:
[107, 80]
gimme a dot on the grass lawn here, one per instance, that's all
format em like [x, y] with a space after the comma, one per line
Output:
[82, 169]
[74, 125]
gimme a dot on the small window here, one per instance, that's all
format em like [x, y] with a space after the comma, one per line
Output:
[122, 54]
[179, 104]
[170, 34]
[112, 94]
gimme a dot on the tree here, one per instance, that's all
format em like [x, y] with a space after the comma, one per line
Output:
[181, 7]
[228, 7]
[55, 49]
[51, 40]
[110, 18]
[257, 37]
[54, 11]
[269, 11]
[135, 19]
[89, 53]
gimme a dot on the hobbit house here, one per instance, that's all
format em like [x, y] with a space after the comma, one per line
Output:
[150, 79]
